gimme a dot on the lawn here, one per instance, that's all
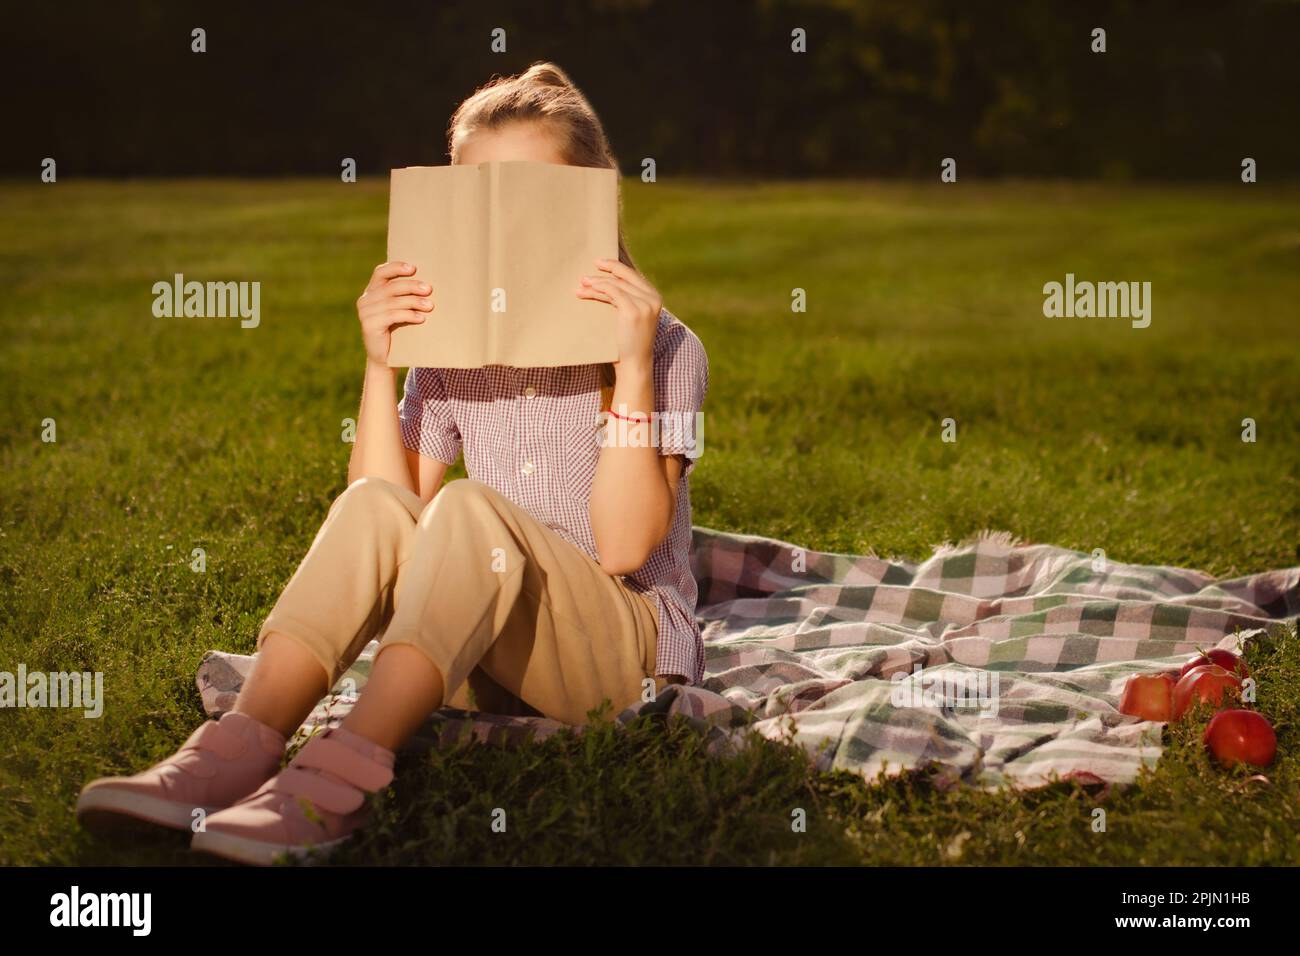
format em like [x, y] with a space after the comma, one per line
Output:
[823, 427]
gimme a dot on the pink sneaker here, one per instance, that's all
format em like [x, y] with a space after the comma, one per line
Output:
[312, 806]
[223, 761]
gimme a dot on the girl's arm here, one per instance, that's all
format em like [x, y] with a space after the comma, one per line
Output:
[634, 492]
[392, 298]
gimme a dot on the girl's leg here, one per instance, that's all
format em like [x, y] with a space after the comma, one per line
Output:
[484, 586]
[402, 691]
[511, 598]
[338, 599]
[285, 684]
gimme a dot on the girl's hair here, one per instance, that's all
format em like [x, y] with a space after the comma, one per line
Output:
[543, 94]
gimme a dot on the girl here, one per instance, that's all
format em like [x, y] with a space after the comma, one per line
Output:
[553, 580]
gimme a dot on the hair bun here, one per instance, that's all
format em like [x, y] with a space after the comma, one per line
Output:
[546, 74]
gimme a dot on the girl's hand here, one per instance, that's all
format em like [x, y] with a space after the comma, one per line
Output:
[637, 303]
[391, 299]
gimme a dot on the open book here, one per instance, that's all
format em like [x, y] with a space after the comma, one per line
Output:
[504, 246]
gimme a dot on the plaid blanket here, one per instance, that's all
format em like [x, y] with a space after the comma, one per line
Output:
[990, 663]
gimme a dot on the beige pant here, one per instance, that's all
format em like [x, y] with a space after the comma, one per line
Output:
[504, 607]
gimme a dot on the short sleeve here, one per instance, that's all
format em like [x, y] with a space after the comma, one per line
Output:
[681, 373]
[425, 416]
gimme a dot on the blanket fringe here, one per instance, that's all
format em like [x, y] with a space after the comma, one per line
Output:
[997, 540]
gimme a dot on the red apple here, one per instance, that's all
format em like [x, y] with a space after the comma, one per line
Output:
[1229, 661]
[1241, 736]
[1204, 685]
[1149, 696]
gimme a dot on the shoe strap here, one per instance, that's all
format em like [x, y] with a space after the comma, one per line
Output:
[331, 795]
[325, 753]
[222, 741]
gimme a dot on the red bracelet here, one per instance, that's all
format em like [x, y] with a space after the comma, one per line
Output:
[642, 421]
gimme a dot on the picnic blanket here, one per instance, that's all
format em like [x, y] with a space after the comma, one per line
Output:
[991, 663]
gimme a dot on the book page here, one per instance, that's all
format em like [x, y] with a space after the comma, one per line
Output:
[437, 221]
[554, 222]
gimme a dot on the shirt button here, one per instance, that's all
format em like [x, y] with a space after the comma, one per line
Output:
[528, 468]
[529, 392]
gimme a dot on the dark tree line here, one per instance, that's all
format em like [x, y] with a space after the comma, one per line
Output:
[1186, 88]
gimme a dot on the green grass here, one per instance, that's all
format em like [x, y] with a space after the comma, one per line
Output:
[823, 428]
